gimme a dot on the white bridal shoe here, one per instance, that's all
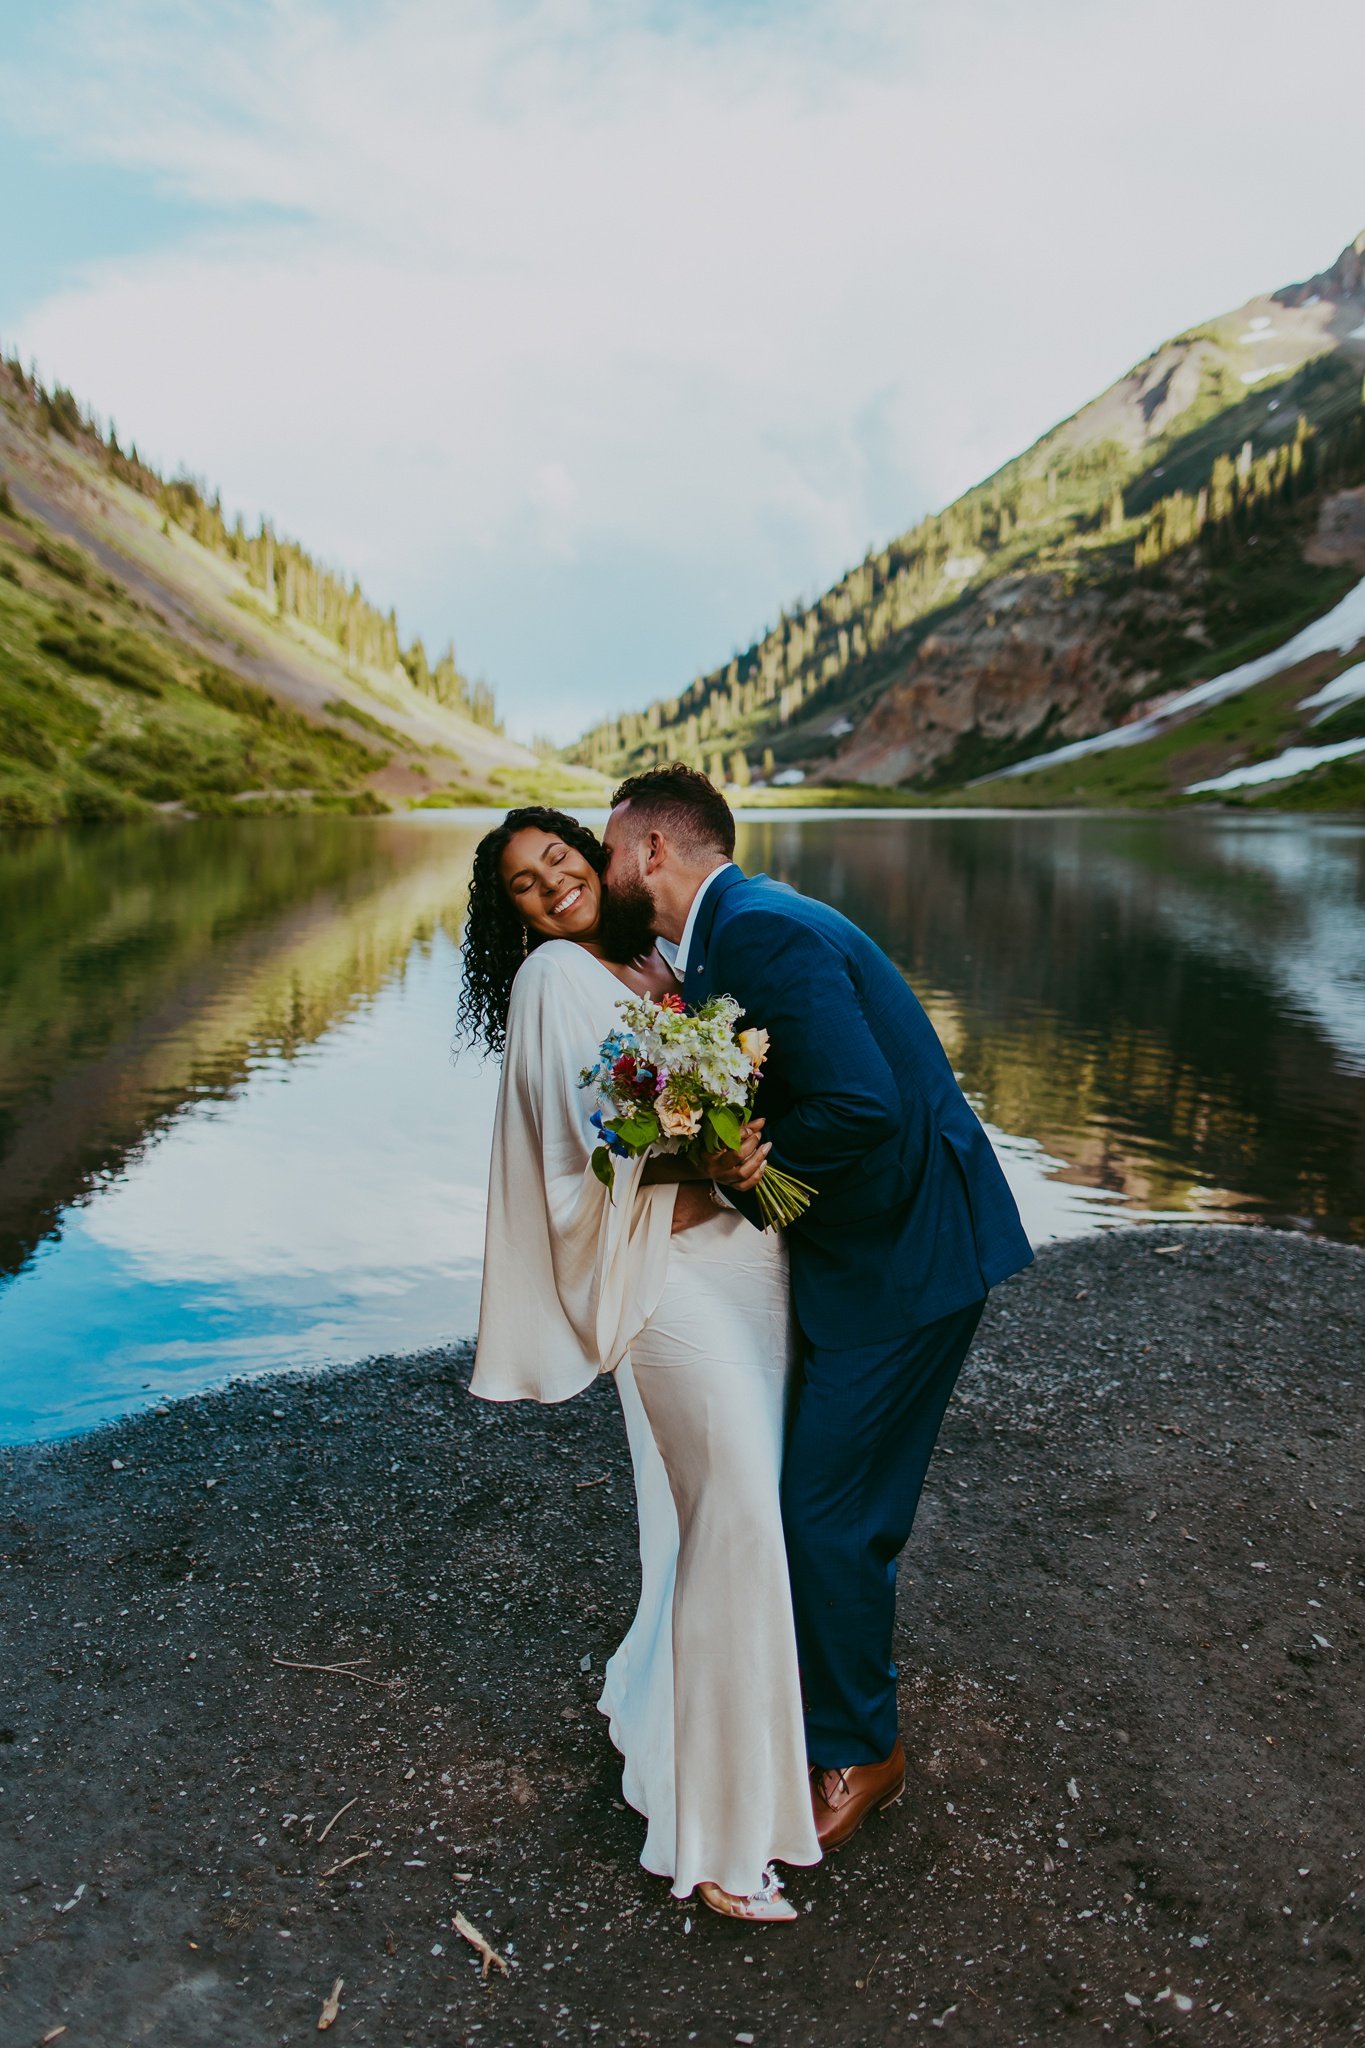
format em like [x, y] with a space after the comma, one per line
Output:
[767, 1903]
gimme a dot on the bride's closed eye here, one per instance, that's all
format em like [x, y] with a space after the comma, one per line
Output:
[521, 882]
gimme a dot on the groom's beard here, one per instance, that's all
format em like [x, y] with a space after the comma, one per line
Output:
[625, 926]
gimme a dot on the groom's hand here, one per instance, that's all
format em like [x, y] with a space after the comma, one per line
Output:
[742, 1170]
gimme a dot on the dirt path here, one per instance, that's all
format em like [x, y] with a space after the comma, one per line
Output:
[1131, 1690]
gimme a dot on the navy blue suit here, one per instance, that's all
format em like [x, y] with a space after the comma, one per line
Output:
[912, 1224]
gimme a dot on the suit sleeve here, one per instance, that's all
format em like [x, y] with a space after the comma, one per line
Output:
[799, 988]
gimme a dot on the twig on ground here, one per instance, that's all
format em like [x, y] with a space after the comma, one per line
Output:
[582, 1485]
[863, 1982]
[339, 1670]
[331, 2006]
[346, 1862]
[336, 1817]
[488, 1954]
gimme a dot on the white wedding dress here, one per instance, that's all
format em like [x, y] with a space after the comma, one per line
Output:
[703, 1697]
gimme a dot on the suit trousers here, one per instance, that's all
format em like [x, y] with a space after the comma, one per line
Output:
[862, 1430]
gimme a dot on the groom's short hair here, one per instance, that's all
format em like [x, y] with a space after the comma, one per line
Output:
[682, 802]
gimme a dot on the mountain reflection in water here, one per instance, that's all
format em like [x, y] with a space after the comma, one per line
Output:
[1173, 1006]
[232, 1136]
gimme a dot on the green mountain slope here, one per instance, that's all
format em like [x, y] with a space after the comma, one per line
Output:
[1190, 516]
[151, 656]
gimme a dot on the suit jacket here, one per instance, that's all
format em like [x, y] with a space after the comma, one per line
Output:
[912, 1218]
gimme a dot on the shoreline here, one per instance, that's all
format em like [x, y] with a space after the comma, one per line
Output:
[842, 805]
[1129, 1642]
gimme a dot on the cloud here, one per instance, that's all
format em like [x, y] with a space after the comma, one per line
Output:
[596, 332]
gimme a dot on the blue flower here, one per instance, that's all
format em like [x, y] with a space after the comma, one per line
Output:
[613, 1143]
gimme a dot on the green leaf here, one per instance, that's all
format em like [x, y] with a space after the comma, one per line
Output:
[727, 1127]
[601, 1166]
[639, 1131]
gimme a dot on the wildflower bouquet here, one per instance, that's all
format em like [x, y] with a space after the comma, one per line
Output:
[678, 1082]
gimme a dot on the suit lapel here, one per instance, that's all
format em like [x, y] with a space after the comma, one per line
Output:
[696, 986]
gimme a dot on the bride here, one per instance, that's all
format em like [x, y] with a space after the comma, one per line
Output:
[686, 1303]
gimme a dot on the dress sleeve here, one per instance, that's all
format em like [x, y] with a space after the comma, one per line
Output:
[572, 1272]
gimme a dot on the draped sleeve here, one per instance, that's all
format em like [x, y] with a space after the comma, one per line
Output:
[571, 1272]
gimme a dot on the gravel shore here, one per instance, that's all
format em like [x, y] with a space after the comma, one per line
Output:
[1130, 1652]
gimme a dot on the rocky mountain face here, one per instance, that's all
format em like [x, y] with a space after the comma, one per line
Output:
[1142, 543]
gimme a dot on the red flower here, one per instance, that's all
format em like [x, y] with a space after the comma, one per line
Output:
[624, 1069]
[673, 1003]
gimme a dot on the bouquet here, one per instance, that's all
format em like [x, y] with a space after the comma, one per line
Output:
[677, 1082]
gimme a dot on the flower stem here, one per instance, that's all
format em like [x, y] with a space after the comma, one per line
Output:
[782, 1198]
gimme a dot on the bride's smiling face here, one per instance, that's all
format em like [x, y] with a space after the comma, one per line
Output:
[553, 888]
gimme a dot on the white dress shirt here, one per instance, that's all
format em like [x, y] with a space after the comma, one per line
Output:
[676, 956]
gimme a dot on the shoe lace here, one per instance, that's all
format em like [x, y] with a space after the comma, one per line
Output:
[826, 1780]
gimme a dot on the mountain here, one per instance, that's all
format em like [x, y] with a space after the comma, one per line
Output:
[154, 657]
[1196, 514]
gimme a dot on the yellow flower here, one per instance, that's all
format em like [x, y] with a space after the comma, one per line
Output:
[754, 1046]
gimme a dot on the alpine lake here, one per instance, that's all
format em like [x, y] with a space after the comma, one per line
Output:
[234, 1136]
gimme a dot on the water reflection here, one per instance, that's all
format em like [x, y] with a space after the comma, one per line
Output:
[231, 1135]
[1173, 1006]
[142, 970]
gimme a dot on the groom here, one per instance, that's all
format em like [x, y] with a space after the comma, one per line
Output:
[911, 1225]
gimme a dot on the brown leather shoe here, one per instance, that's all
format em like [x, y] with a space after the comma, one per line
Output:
[842, 1800]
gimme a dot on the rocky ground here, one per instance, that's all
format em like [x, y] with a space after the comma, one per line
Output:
[1131, 1689]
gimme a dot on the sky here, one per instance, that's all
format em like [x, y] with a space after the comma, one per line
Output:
[590, 333]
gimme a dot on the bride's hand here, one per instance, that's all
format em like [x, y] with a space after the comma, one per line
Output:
[741, 1170]
[692, 1205]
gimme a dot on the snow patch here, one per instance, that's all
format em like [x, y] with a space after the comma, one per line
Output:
[1293, 761]
[1343, 689]
[789, 778]
[1357, 333]
[1334, 633]
[1258, 376]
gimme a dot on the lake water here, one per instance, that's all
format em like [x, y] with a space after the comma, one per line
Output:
[232, 1136]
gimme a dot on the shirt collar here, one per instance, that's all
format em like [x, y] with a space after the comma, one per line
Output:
[677, 955]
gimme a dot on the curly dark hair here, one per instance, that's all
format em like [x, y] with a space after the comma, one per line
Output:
[496, 940]
[682, 801]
